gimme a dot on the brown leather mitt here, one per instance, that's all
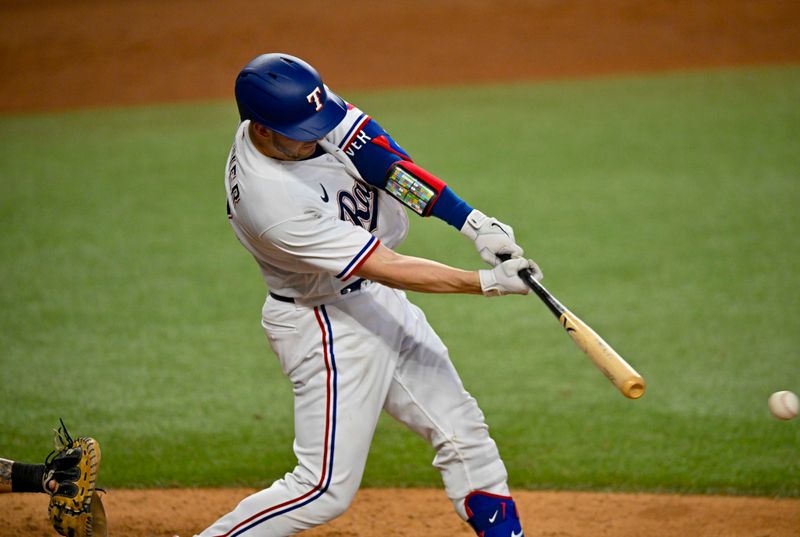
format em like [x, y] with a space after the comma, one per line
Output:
[75, 508]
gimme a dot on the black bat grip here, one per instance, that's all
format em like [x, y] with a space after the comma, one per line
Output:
[549, 300]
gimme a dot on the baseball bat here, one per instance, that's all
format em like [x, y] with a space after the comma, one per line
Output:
[614, 367]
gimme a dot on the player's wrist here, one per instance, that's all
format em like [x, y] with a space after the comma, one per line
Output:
[27, 477]
[473, 223]
[488, 282]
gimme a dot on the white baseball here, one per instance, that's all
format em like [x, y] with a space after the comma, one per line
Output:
[783, 405]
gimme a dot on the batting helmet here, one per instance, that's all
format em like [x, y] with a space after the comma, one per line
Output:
[285, 94]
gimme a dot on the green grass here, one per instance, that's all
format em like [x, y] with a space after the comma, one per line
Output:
[664, 210]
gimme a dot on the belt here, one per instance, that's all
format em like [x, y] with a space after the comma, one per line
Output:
[355, 286]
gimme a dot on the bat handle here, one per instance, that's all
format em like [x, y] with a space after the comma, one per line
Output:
[555, 307]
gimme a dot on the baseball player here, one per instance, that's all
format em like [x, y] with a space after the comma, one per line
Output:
[317, 192]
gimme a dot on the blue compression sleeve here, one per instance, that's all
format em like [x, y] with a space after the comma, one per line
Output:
[373, 152]
[451, 208]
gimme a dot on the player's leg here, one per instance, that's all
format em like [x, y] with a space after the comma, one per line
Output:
[428, 396]
[340, 372]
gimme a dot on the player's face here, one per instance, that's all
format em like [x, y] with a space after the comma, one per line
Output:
[290, 149]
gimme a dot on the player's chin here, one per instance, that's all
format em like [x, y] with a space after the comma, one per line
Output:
[306, 150]
[302, 151]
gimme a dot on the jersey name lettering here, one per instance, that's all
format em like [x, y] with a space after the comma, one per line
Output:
[358, 142]
[359, 207]
[232, 179]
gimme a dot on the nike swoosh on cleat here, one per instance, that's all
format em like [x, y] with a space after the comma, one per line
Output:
[500, 228]
[515, 534]
[494, 516]
[324, 197]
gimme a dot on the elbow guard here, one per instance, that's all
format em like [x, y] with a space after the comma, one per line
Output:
[415, 187]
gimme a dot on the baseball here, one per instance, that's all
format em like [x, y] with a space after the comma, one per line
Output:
[783, 405]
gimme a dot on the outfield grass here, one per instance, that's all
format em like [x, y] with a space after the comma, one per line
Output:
[664, 210]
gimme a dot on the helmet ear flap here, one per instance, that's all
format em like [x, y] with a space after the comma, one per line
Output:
[286, 94]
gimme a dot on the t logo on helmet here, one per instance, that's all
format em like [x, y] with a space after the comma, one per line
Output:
[314, 98]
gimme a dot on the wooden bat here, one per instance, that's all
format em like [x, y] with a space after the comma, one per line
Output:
[619, 372]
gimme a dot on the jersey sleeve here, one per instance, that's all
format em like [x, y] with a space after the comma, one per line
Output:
[318, 244]
[368, 146]
[384, 164]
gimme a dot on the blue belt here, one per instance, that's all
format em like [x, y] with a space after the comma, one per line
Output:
[355, 286]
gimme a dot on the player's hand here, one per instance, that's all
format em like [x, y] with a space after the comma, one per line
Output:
[491, 237]
[504, 278]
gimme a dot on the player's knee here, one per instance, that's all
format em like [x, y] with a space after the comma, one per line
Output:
[339, 503]
[491, 515]
[331, 504]
[334, 499]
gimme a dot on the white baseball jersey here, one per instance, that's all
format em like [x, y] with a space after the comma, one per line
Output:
[308, 224]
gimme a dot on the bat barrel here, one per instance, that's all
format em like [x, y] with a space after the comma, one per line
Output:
[627, 380]
[614, 367]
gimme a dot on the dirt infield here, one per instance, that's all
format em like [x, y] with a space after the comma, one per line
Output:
[62, 54]
[405, 512]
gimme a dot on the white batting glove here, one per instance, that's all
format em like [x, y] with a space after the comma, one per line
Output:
[504, 278]
[491, 237]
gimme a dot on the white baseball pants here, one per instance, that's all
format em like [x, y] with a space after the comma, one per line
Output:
[348, 359]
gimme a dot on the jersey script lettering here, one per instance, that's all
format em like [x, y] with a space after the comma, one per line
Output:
[359, 207]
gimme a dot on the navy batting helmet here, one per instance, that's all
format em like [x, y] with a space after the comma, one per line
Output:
[285, 94]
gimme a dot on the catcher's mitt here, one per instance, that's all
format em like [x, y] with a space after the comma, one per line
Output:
[75, 507]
